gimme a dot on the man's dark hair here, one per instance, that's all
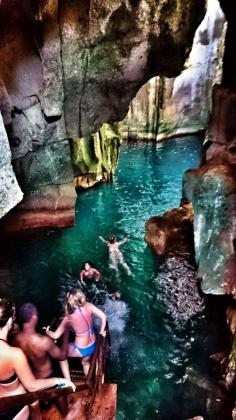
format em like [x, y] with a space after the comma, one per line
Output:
[25, 312]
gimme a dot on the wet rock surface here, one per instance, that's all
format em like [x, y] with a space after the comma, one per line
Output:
[165, 107]
[10, 192]
[172, 232]
[212, 190]
[68, 67]
[95, 157]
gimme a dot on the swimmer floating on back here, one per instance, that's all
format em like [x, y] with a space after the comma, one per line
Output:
[115, 255]
[89, 272]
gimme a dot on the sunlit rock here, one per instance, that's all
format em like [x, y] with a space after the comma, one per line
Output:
[47, 207]
[95, 157]
[10, 192]
[189, 104]
[166, 107]
[172, 232]
[212, 191]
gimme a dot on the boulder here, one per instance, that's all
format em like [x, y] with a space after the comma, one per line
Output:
[171, 233]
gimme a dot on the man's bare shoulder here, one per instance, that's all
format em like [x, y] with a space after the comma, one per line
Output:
[33, 340]
[42, 341]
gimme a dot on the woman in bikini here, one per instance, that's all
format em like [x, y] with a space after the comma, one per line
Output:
[89, 272]
[78, 317]
[115, 255]
[15, 374]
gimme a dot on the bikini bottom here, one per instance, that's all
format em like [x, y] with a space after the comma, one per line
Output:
[84, 351]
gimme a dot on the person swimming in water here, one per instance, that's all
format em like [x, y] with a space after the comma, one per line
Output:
[115, 255]
[89, 272]
[115, 296]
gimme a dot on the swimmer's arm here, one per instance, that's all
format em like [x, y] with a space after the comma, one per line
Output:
[97, 274]
[59, 331]
[123, 240]
[82, 277]
[103, 240]
[100, 314]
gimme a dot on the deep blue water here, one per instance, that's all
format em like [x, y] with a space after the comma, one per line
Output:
[157, 329]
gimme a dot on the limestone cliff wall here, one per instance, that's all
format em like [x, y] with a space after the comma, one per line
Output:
[10, 192]
[173, 106]
[67, 67]
[212, 187]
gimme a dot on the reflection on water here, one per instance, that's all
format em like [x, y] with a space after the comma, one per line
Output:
[157, 326]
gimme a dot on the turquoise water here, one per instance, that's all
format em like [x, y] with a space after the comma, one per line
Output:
[157, 328]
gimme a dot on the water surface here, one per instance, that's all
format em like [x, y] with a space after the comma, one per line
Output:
[154, 340]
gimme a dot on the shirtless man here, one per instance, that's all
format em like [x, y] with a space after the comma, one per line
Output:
[38, 348]
[115, 255]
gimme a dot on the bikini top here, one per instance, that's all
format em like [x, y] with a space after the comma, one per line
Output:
[12, 377]
[89, 327]
[9, 380]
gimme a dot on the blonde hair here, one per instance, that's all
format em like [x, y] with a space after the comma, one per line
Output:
[74, 298]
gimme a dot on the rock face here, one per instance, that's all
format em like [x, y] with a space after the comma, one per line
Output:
[10, 192]
[67, 67]
[212, 191]
[212, 187]
[95, 157]
[171, 233]
[167, 107]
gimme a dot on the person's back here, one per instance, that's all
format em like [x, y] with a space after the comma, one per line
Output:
[39, 349]
[81, 322]
[36, 348]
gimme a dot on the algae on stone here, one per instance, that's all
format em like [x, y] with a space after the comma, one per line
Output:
[95, 157]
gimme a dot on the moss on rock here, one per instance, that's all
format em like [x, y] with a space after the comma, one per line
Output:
[95, 157]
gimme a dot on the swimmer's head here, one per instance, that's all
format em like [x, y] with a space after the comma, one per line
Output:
[112, 239]
[27, 313]
[116, 296]
[74, 299]
[7, 313]
[87, 265]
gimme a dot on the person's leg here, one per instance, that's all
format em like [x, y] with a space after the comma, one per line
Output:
[124, 264]
[86, 364]
[126, 267]
[113, 263]
[64, 365]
